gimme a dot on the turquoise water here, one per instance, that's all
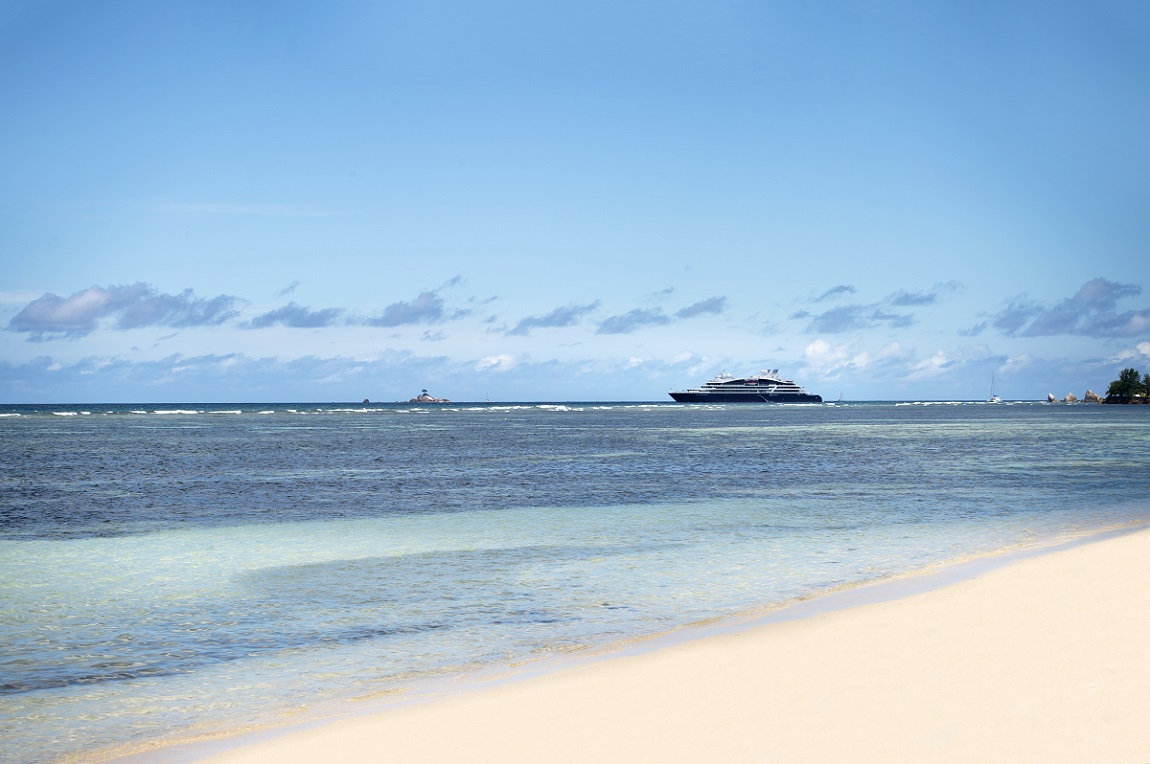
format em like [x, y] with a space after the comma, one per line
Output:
[169, 571]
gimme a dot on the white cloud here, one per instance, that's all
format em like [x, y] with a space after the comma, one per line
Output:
[826, 359]
[1136, 353]
[498, 362]
[891, 351]
[695, 365]
[568, 315]
[134, 306]
[930, 367]
[1017, 363]
[1091, 312]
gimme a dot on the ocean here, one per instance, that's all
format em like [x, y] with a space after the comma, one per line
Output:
[175, 571]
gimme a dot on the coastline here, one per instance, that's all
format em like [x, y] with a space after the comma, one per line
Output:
[1038, 656]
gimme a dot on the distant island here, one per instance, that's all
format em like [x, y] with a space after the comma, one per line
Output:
[423, 397]
[1130, 387]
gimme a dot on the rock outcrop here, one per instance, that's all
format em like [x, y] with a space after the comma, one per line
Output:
[423, 397]
[1050, 398]
[1091, 397]
[1070, 398]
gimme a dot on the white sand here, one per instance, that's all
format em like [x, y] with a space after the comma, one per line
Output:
[1044, 660]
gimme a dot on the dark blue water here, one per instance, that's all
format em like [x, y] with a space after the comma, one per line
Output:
[175, 570]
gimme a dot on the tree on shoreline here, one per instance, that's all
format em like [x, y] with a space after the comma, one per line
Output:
[1130, 387]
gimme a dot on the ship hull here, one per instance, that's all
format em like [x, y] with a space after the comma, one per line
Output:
[688, 396]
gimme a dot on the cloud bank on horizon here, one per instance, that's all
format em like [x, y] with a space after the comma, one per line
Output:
[516, 201]
[1094, 311]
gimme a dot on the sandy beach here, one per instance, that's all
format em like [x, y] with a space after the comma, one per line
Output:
[1045, 659]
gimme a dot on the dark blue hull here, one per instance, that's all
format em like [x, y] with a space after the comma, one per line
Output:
[692, 397]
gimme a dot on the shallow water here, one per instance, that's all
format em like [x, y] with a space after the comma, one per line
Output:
[167, 574]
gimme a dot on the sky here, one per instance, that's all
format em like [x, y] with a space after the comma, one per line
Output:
[223, 201]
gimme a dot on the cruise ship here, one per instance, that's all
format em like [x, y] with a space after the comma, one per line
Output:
[765, 387]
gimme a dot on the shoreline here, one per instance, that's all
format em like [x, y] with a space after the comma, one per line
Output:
[483, 708]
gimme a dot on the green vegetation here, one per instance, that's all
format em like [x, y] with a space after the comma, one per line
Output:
[1130, 387]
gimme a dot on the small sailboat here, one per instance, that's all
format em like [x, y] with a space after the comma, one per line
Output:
[993, 397]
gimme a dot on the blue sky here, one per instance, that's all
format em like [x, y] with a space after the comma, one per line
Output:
[296, 201]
